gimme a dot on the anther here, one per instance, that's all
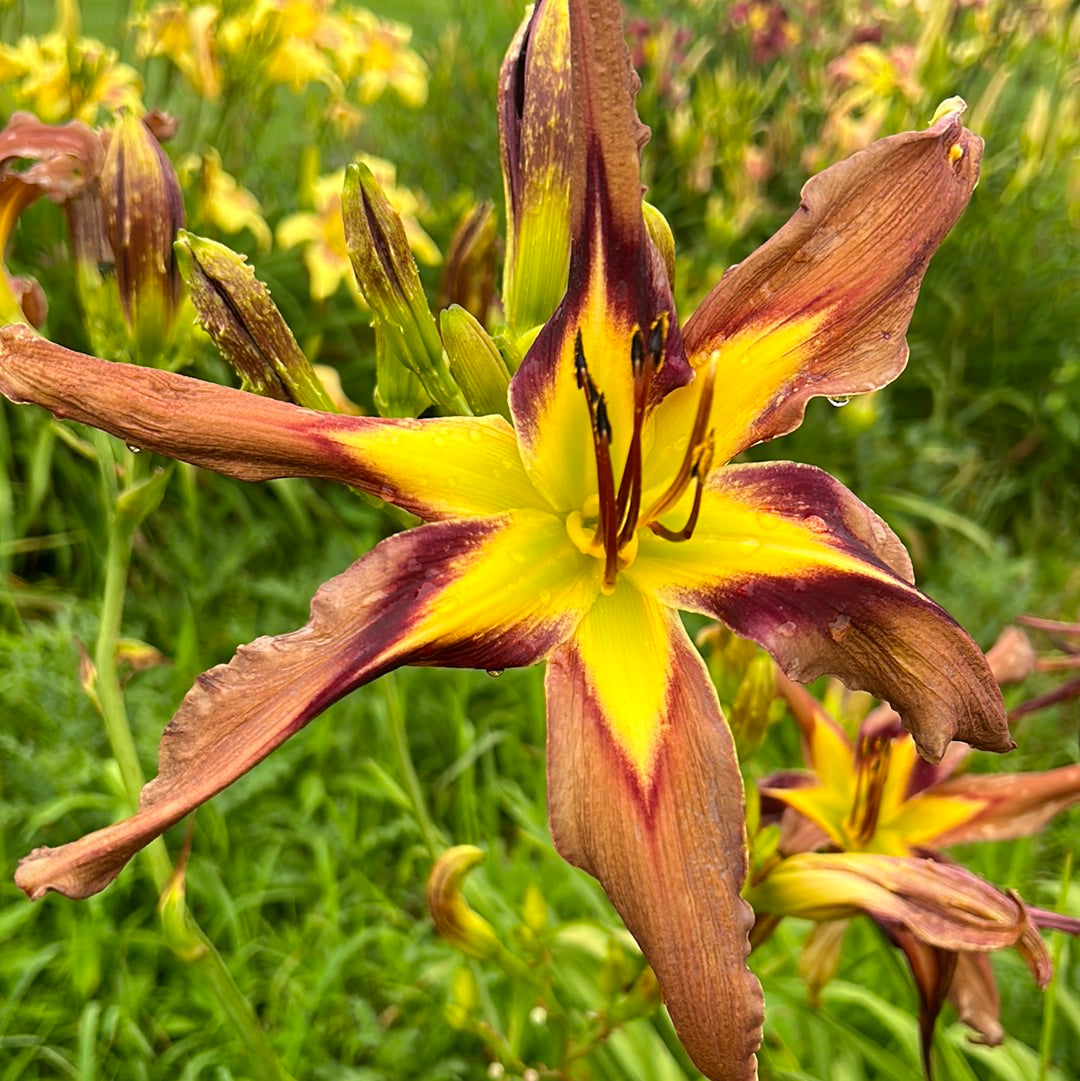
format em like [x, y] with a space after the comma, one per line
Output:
[581, 369]
[603, 425]
[656, 342]
[637, 354]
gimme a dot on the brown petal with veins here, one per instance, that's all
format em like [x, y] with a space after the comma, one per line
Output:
[1016, 804]
[381, 613]
[856, 248]
[673, 863]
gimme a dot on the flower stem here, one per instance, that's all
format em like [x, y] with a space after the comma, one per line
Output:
[433, 837]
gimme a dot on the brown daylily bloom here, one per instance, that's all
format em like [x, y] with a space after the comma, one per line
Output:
[575, 533]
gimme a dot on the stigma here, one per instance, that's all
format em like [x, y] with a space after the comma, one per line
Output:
[607, 526]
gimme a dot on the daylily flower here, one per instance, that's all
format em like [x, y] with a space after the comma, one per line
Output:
[874, 795]
[576, 533]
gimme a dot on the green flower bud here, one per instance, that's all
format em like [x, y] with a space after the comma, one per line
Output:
[475, 362]
[468, 277]
[387, 276]
[238, 313]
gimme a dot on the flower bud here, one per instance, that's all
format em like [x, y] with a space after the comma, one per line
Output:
[143, 211]
[536, 140]
[749, 714]
[236, 310]
[387, 276]
[468, 277]
[454, 919]
[475, 362]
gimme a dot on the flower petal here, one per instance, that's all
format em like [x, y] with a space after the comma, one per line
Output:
[787, 556]
[474, 593]
[942, 904]
[617, 281]
[660, 821]
[442, 468]
[1009, 805]
[822, 308]
[974, 994]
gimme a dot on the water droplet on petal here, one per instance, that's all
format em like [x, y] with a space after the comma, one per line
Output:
[815, 523]
[134, 449]
[749, 545]
[495, 672]
[787, 629]
[840, 400]
[839, 627]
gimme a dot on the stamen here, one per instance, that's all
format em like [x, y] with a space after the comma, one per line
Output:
[873, 772]
[690, 460]
[698, 471]
[607, 527]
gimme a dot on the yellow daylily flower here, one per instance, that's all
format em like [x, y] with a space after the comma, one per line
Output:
[575, 532]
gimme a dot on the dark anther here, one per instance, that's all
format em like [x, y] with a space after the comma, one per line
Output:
[581, 369]
[637, 354]
[603, 425]
[656, 342]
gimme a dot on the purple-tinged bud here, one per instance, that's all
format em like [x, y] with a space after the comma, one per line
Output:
[143, 212]
[236, 310]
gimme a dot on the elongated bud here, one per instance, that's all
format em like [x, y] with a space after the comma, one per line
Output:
[387, 276]
[468, 277]
[454, 919]
[749, 714]
[398, 391]
[143, 211]
[536, 140]
[475, 362]
[238, 313]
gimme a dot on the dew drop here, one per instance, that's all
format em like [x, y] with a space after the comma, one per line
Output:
[495, 672]
[839, 627]
[787, 629]
[750, 545]
[840, 400]
[767, 521]
[815, 524]
[134, 449]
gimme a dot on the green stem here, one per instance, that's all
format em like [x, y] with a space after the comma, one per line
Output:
[1046, 1041]
[433, 837]
[182, 932]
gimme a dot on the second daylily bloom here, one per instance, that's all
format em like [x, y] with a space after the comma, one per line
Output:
[872, 799]
[576, 533]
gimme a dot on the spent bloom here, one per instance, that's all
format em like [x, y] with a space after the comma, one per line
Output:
[576, 531]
